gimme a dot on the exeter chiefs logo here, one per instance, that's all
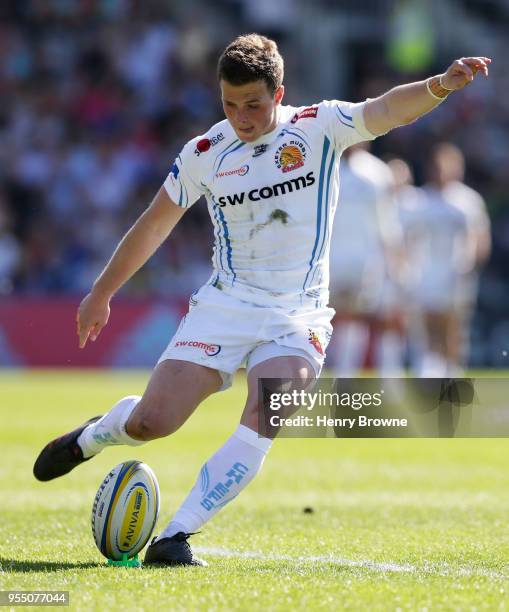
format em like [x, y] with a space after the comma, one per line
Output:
[290, 156]
[315, 341]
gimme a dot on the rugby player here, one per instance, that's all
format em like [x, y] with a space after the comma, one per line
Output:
[269, 174]
[450, 241]
[366, 245]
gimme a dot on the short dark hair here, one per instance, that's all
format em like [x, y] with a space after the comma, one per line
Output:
[249, 58]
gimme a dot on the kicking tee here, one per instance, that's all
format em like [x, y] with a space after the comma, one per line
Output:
[271, 201]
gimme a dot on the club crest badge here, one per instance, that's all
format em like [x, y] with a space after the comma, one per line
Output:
[315, 341]
[290, 156]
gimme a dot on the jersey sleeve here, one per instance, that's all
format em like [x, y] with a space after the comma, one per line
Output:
[344, 122]
[481, 218]
[183, 183]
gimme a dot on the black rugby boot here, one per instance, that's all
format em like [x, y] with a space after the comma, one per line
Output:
[61, 455]
[172, 551]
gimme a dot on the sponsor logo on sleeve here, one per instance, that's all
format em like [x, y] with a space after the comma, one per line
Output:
[290, 156]
[242, 171]
[215, 139]
[308, 113]
[203, 145]
[209, 349]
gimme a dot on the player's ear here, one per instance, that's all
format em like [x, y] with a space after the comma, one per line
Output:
[280, 92]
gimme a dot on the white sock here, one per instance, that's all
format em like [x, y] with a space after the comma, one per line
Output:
[454, 369]
[433, 366]
[389, 354]
[110, 429]
[221, 479]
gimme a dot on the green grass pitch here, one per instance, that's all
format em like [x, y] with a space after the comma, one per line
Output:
[397, 524]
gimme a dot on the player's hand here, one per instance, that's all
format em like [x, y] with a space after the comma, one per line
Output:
[93, 314]
[462, 71]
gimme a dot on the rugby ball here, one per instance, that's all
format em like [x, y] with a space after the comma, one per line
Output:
[125, 510]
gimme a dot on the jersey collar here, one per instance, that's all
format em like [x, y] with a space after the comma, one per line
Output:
[269, 137]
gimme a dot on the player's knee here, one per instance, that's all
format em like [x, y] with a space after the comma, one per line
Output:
[152, 419]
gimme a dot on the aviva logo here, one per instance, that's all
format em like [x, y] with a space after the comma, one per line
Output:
[133, 520]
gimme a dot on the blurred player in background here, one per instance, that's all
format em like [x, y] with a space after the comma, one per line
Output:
[270, 176]
[364, 259]
[408, 201]
[448, 237]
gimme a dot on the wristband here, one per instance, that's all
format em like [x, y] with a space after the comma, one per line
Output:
[442, 85]
[436, 89]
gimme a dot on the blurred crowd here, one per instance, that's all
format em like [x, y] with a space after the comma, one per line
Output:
[98, 97]
[96, 102]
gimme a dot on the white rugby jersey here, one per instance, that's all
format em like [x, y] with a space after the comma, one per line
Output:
[271, 201]
[444, 231]
[360, 236]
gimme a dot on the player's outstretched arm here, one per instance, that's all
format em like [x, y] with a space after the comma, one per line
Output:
[135, 248]
[406, 103]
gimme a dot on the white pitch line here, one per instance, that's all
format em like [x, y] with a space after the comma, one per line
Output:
[374, 565]
[441, 569]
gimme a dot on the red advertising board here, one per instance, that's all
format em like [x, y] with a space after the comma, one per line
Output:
[42, 333]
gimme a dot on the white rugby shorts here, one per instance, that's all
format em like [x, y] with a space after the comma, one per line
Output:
[446, 291]
[224, 333]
